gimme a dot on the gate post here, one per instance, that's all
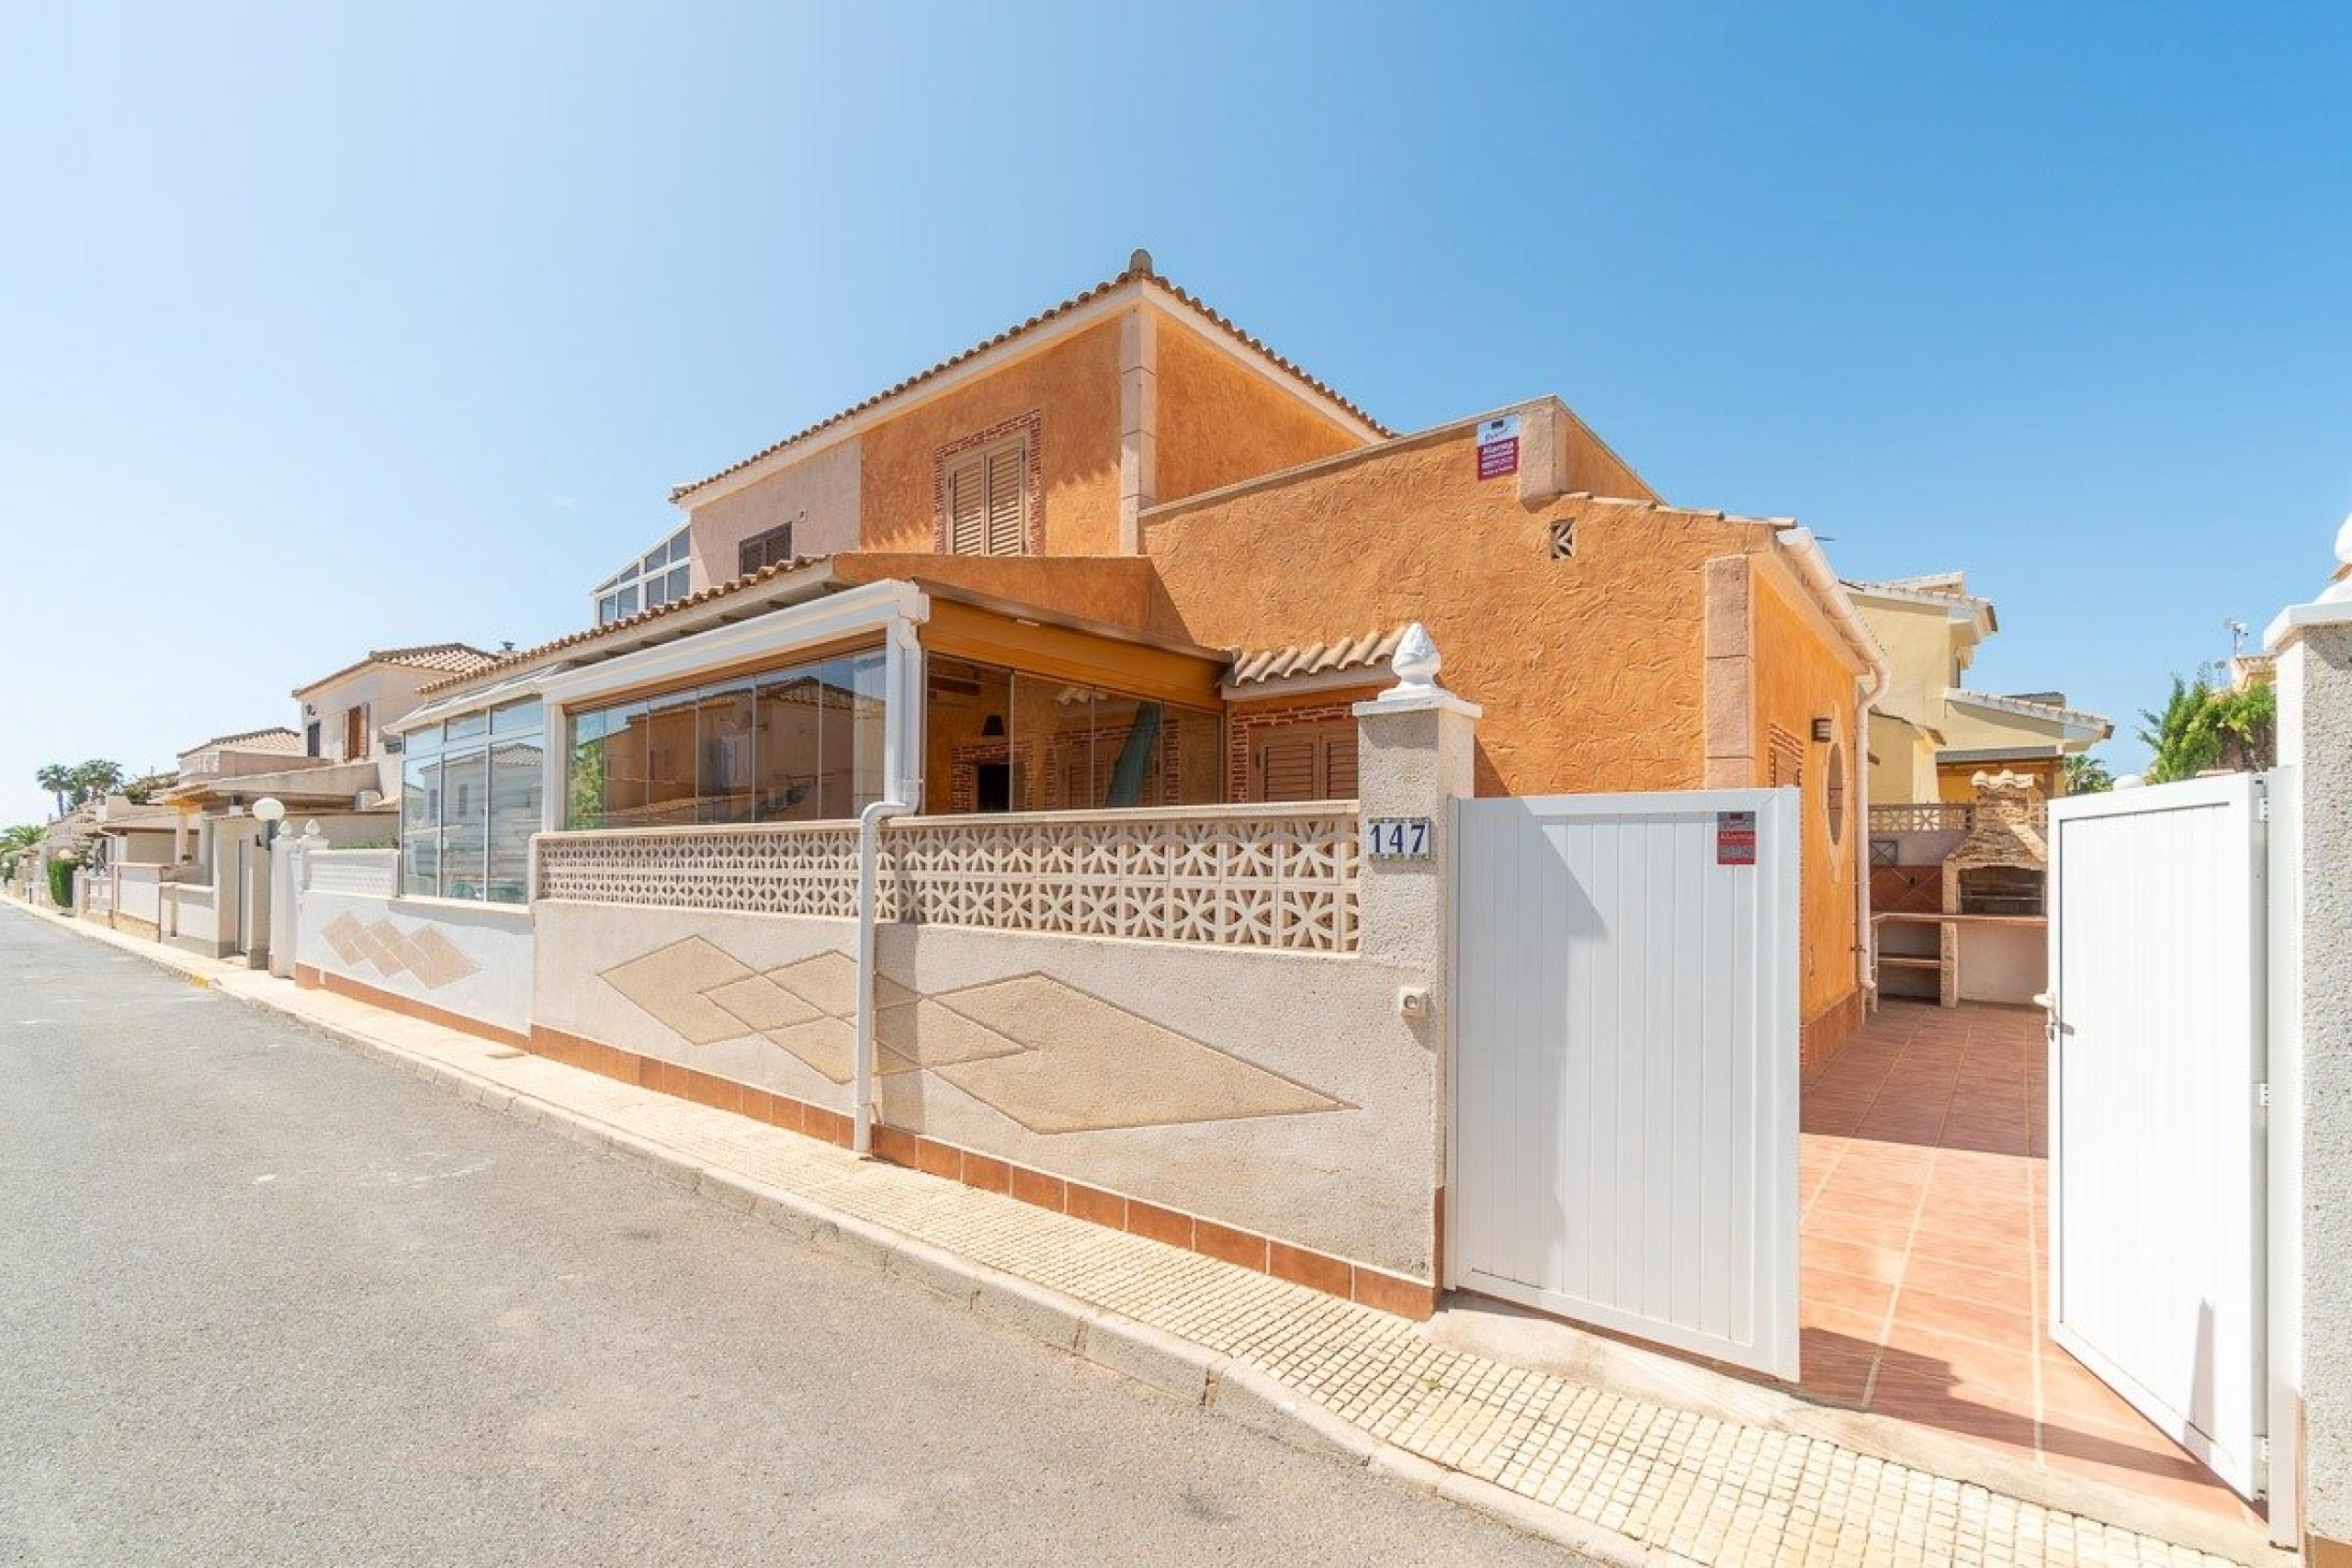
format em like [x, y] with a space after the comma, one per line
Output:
[2311, 1073]
[1414, 757]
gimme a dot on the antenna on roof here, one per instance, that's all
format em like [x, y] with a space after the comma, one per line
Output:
[1140, 261]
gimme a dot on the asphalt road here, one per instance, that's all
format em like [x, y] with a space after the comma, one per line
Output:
[265, 1300]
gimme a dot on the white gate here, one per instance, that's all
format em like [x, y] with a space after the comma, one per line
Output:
[2156, 1061]
[1623, 1145]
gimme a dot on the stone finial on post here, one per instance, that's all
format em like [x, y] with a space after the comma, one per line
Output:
[1414, 757]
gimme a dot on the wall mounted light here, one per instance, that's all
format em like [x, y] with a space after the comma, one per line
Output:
[1825, 730]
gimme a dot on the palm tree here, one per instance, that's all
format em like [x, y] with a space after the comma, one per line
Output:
[58, 779]
[14, 842]
[95, 779]
[2201, 730]
[2176, 747]
[2085, 775]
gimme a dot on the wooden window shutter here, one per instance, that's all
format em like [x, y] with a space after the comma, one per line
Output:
[1339, 765]
[967, 517]
[1286, 768]
[1007, 532]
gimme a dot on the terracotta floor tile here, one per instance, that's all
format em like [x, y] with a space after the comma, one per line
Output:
[1836, 1324]
[1882, 1264]
[1831, 1224]
[1999, 1255]
[1853, 1197]
[1823, 1291]
[2012, 1290]
[1924, 1191]
[2006, 1327]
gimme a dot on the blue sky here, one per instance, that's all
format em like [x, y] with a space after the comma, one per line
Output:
[324, 327]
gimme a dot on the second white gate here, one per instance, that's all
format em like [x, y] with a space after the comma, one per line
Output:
[1623, 1145]
[2156, 1065]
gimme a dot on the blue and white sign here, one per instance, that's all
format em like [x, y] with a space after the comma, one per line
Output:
[1398, 837]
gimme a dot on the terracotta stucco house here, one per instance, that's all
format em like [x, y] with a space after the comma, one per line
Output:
[1161, 561]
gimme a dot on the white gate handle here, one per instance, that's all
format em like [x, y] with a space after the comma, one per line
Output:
[2045, 1001]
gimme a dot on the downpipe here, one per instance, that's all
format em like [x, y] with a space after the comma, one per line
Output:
[1815, 566]
[870, 856]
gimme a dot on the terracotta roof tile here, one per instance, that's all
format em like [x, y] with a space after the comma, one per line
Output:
[447, 658]
[1367, 652]
[278, 738]
[1142, 272]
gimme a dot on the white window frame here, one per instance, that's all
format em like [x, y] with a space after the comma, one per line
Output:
[656, 578]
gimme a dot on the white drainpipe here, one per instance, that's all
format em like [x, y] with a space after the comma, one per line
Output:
[902, 773]
[1821, 579]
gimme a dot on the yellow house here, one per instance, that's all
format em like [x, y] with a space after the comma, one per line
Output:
[1929, 734]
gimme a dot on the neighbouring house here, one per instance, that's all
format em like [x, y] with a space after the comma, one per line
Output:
[1959, 783]
[1929, 734]
[340, 771]
[1104, 603]
[347, 717]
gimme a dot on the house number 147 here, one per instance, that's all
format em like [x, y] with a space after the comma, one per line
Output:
[1396, 838]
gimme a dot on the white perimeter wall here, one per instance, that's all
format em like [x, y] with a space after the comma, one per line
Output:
[1330, 1131]
[489, 981]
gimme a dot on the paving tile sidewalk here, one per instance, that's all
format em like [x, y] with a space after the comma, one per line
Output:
[1620, 1479]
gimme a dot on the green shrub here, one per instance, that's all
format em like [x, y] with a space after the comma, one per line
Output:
[61, 883]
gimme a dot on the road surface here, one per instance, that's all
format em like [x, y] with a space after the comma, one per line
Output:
[267, 1300]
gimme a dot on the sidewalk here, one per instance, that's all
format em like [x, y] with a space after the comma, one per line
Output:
[1619, 1479]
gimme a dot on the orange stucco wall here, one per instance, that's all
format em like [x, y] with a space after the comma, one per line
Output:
[1219, 424]
[1074, 386]
[1800, 675]
[1597, 470]
[1116, 591]
[1589, 669]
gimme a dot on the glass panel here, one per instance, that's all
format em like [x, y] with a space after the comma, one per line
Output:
[514, 716]
[466, 726]
[676, 586]
[1053, 732]
[420, 826]
[670, 784]
[789, 748]
[868, 681]
[515, 775]
[678, 542]
[1126, 750]
[655, 558]
[850, 728]
[624, 802]
[968, 736]
[1192, 763]
[424, 739]
[584, 778]
[726, 761]
[626, 598]
[465, 823]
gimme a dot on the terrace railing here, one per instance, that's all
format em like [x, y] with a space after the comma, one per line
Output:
[1938, 817]
[1261, 876]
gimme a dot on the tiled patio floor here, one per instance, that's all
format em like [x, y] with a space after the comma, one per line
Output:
[1924, 1177]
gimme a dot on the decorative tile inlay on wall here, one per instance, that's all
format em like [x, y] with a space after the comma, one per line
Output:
[423, 951]
[1042, 1053]
[1260, 876]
